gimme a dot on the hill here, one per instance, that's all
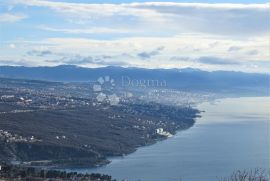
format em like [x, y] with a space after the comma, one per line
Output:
[184, 79]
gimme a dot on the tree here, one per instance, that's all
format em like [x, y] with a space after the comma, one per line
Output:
[256, 174]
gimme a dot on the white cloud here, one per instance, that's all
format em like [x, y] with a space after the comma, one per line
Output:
[201, 35]
[222, 19]
[12, 45]
[173, 52]
[219, 6]
[10, 18]
[94, 30]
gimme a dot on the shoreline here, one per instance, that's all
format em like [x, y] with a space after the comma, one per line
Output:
[109, 158]
[102, 162]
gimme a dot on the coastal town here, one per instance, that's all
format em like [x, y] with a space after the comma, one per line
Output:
[66, 119]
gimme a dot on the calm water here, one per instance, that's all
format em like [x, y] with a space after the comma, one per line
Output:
[232, 134]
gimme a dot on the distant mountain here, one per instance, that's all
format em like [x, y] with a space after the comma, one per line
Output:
[185, 79]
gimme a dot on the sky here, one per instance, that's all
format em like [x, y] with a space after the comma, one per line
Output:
[210, 35]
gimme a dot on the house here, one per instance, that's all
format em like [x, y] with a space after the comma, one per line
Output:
[160, 131]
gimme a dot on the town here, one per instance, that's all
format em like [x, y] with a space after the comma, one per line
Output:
[56, 121]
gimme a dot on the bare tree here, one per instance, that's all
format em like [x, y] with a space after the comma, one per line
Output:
[256, 174]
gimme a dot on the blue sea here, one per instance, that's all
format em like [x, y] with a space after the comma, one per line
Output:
[232, 134]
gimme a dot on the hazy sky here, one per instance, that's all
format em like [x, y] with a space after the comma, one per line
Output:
[210, 34]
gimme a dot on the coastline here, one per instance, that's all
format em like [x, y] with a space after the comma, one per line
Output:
[84, 164]
[200, 145]
[109, 158]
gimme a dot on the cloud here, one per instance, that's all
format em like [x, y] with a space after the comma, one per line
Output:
[81, 60]
[214, 18]
[175, 18]
[74, 60]
[182, 58]
[40, 53]
[185, 48]
[10, 18]
[21, 62]
[217, 61]
[166, 52]
[147, 55]
[95, 30]
[253, 52]
[234, 48]
[12, 45]
[208, 60]
[85, 11]
[166, 34]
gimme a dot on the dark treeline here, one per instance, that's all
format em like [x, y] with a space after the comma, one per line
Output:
[14, 172]
[18, 173]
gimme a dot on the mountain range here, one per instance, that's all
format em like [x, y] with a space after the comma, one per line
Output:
[184, 79]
